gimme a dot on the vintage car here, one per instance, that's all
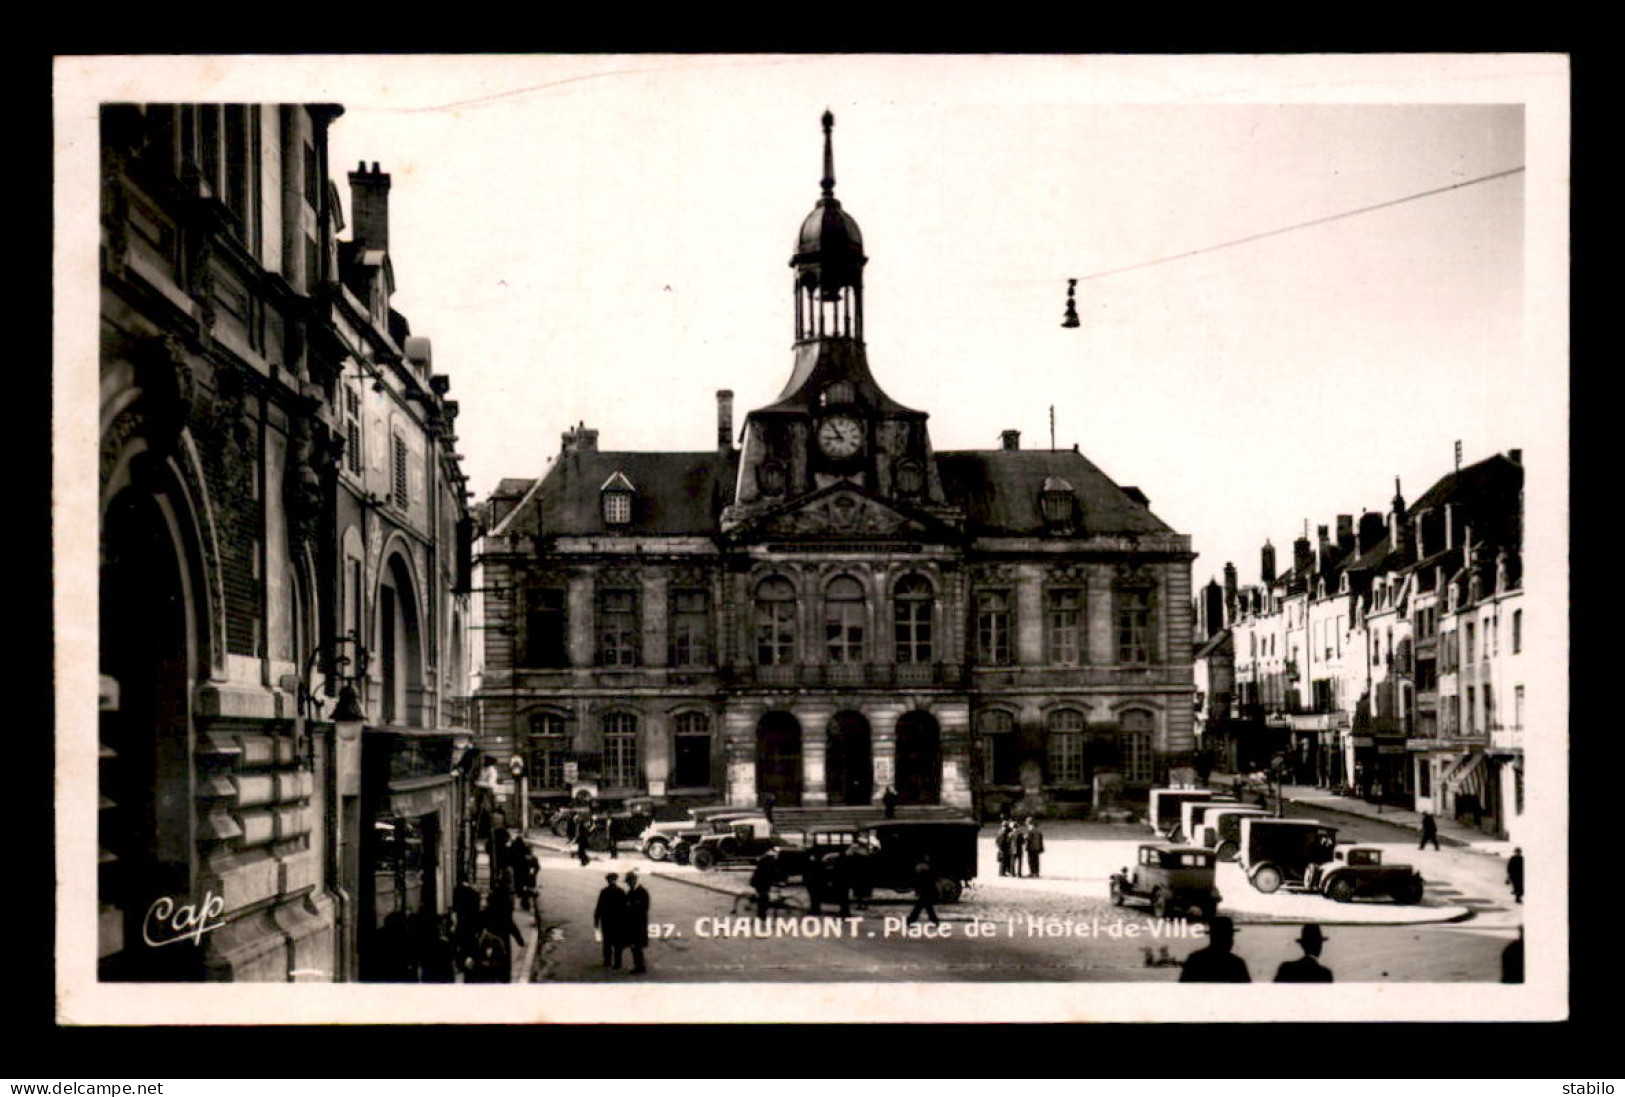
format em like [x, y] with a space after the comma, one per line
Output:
[1192, 813]
[1164, 809]
[1277, 853]
[1221, 829]
[886, 855]
[743, 840]
[629, 818]
[1175, 880]
[658, 840]
[1357, 871]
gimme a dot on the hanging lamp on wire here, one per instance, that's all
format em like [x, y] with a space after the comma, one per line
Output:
[1071, 320]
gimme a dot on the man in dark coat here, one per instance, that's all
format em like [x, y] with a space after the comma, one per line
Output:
[465, 909]
[607, 918]
[1306, 968]
[1515, 874]
[837, 885]
[524, 864]
[889, 802]
[1018, 849]
[583, 834]
[608, 825]
[1216, 963]
[635, 924]
[812, 876]
[925, 892]
[1033, 839]
[1005, 842]
[1430, 831]
[762, 879]
[489, 960]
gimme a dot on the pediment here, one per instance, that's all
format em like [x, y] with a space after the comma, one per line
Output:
[840, 511]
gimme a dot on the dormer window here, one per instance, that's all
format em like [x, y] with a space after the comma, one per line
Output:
[1058, 504]
[616, 495]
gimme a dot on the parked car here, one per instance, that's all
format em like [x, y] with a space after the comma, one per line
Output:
[1192, 813]
[743, 840]
[895, 848]
[1174, 880]
[1277, 853]
[1221, 829]
[629, 818]
[1163, 812]
[1357, 871]
[658, 840]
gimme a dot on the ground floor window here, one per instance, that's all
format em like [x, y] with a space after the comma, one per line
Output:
[1000, 764]
[691, 751]
[1064, 748]
[1135, 747]
[621, 750]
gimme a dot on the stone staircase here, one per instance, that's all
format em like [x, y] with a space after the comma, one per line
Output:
[805, 818]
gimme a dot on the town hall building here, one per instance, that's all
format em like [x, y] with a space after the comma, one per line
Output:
[833, 607]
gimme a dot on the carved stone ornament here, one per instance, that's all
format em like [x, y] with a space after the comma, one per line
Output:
[842, 513]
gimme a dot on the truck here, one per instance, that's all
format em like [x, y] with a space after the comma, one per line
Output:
[1163, 812]
[1276, 853]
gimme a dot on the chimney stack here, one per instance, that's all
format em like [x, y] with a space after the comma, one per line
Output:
[1398, 534]
[369, 207]
[581, 438]
[725, 420]
[1345, 532]
[1011, 439]
[1371, 531]
[1323, 549]
[1267, 568]
[1229, 592]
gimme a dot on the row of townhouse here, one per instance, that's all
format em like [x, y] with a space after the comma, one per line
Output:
[1387, 659]
[281, 587]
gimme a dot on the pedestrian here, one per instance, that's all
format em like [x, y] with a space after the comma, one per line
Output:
[1515, 874]
[499, 913]
[837, 884]
[496, 850]
[465, 910]
[436, 960]
[768, 803]
[608, 826]
[522, 861]
[635, 923]
[1512, 960]
[812, 876]
[583, 835]
[925, 892]
[1216, 963]
[1034, 841]
[489, 961]
[889, 802]
[1430, 831]
[1306, 968]
[762, 879]
[1004, 843]
[607, 918]
[859, 872]
[1018, 850]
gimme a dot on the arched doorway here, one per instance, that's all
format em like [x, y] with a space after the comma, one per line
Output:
[778, 759]
[147, 664]
[849, 769]
[919, 758]
[400, 650]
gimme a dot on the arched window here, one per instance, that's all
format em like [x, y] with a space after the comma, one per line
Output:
[998, 731]
[621, 750]
[844, 615]
[775, 623]
[1134, 746]
[912, 604]
[1063, 747]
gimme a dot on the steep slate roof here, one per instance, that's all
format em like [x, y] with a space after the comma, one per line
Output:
[999, 489]
[1487, 482]
[677, 493]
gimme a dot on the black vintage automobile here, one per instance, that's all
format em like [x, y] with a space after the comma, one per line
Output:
[1277, 853]
[1356, 872]
[1175, 880]
[629, 818]
[887, 855]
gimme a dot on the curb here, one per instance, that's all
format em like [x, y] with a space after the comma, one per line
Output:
[1272, 920]
[1444, 839]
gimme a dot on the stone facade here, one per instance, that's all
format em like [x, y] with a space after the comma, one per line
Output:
[834, 608]
[225, 355]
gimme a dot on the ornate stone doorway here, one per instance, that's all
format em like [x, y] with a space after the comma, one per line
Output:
[849, 766]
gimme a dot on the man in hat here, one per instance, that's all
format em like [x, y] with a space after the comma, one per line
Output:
[634, 924]
[1216, 963]
[1033, 840]
[762, 879]
[1515, 873]
[607, 917]
[1306, 968]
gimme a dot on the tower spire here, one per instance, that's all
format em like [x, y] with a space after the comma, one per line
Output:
[828, 182]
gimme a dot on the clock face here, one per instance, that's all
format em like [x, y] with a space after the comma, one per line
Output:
[840, 436]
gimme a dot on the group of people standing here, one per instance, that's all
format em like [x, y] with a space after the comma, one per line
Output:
[620, 920]
[579, 831]
[1217, 963]
[1021, 846]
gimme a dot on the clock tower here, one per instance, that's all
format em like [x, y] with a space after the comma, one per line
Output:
[833, 426]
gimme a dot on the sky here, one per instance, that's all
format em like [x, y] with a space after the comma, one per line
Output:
[606, 239]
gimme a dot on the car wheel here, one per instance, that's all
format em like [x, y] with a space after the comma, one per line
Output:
[1340, 890]
[658, 849]
[681, 853]
[949, 890]
[1267, 879]
[728, 847]
[703, 859]
[1117, 894]
[1227, 851]
[1159, 903]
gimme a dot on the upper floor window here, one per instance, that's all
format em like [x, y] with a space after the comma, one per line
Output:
[1517, 631]
[913, 604]
[1135, 606]
[993, 627]
[616, 495]
[844, 615]
[399, 482]
[352, 430]
[1058, 503]
[1471, 648]
[618, 628]
[1065, 627]
[775, 623]
[545, 635]
[690, 628]
[1063, 747]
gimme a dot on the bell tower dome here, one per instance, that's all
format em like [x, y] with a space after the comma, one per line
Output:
[828, 263]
